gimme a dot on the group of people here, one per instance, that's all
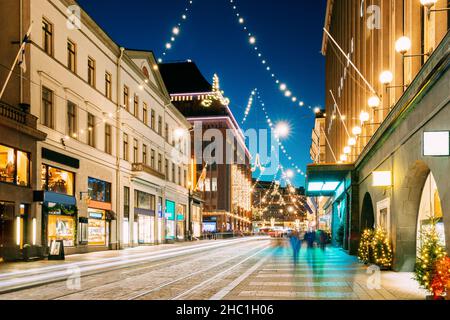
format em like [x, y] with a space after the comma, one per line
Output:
[310, 237]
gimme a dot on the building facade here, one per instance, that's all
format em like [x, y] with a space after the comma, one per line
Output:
[387, 122]
[112, 171]
[223, 170]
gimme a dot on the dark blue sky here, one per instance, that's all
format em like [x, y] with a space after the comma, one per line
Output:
[288, 32]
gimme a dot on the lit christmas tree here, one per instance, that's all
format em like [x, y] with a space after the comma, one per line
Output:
[364, 251]
[381, 249]
[431, 251]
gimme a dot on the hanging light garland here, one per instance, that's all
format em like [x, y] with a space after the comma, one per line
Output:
[249, 106]
[283, 87]
[176, 30]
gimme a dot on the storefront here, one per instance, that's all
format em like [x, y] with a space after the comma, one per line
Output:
[99, 212]
[181, 221]
[144, 217]
[59, 206]
[170, 220]
[196, 220]
[209, 224]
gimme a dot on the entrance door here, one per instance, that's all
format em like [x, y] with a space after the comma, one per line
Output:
[6, 225]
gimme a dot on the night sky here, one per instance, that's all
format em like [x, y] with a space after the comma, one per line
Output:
[288, 32]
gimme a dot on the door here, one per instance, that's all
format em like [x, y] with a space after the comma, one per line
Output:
[6, 225]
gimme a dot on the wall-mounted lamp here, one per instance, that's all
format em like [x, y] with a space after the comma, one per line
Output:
[428, 4]
[403, 45]
[382, 178]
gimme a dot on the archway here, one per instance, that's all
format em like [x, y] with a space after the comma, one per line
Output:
[430, 209]
[367, 213]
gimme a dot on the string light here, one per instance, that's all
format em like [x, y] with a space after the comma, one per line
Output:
[176, 31]
[249, 106]
[288, 93]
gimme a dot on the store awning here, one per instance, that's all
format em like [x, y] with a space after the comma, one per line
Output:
[52, 197]
[326, 179]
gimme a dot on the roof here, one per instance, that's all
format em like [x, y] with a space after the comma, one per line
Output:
[327, 25]
[184, 77]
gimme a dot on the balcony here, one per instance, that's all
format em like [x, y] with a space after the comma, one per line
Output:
[20, 119]
[143, 168]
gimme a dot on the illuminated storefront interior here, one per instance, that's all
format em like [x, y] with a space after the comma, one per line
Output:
[14, 166]
[170, 220]
[144, 213]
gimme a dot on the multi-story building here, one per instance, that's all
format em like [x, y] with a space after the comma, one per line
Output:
[113, 168]
[387, 121]
[222, 159]
[282, 206]
[318, 141]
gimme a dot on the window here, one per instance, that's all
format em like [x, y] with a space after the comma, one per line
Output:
[108, 139]
[135, 151]
[160, 162]
[72, 120]
[145, 113]
[71, 56]
[91, 130]
[152, 163]
[91, 72]
[166, 132]
[144, 200]
[47, 37]
[14, 166]
[99, 190]
[126, 202]
[179, 176]
[136, 106]
[47, 107]
[159, 125]
[173, 173]
[125, 147]
[126, 98]
[144, 154]
[166, 169]
[152, 121]
[108, 85]
[57, 180]
[185, 182]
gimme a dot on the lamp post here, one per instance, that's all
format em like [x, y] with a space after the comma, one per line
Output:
[428, 4]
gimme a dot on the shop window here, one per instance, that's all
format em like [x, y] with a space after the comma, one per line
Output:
[57, 180]
[99, 190]
[14, 166]
[144, 200]
[97, 227]
[61, 228]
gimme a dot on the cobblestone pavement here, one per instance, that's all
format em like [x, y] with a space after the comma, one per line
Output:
[244, 269]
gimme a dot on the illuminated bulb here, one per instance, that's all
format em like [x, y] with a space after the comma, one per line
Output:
[374, 102]
[289, 174]
[168, 45]
[386, 77]
[301, 104]
[176, 31]
[403, 45]
[283, 87]
[294, 99]
[352, 142]
[282, 129]
[357, 131]
[184, 17]
[347, 150]
[241, 20]
[288, 93]
[317, 110]
[428, 3]
[252, 40]
[344, 158]
[364, 116]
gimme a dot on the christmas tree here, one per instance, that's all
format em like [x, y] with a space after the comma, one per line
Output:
[364, 250]
[431, 251]
[381, 249]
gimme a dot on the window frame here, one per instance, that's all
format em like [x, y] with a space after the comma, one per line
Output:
[108, 85]
[47, 34]
[91, 130]
[92, 68]
[72, 125]
[125, 147]
[72, 55]
[108, 139]
[48, 108]
[16, 173]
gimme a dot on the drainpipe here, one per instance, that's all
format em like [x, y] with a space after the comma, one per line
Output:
[118, 130]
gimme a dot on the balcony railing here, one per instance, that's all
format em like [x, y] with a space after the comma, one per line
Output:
[12, 113]
[142, 167]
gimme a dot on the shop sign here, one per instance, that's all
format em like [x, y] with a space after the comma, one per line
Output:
[96, 215]
[436, 144]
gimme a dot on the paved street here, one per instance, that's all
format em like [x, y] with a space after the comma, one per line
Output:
[249, 268]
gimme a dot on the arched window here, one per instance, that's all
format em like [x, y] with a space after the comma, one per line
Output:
[430, 208]
[145, 72]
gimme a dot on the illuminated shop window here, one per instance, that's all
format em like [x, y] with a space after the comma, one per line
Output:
[14, 166]
[57, 180]
[99, 190]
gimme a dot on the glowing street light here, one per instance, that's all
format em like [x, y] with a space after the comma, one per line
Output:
[374, 102]
[386, 77]
[403, 45]
[282, 129]
[364, 116]
[357, 131]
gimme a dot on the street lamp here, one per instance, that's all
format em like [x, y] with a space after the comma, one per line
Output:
[403, 45]
[347, 150]
[344, 158]
[386, 77]
[428, 4]
[357, 131]
[374, 102]
[364, 117]
[352, 142]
